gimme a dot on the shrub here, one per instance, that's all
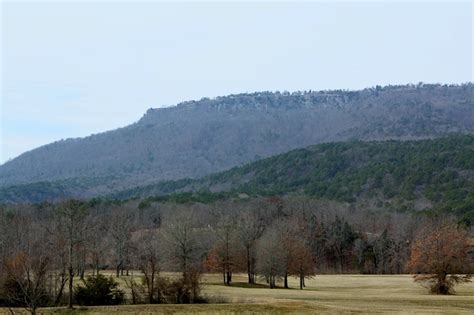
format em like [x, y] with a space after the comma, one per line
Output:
[16, 294]
[99, 290]
[184, 290]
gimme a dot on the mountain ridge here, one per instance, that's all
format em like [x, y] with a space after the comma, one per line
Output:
[197, 138]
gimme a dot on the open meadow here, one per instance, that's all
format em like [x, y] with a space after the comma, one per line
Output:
[323, 294]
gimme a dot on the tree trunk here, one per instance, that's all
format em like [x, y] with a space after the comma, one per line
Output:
[134, 297]
[443, 287]
[61, 288]
[152, 291]
[71, 279]
[249, 271]
[286, 280]
[82, 270]
[71, 274]
[301, 281]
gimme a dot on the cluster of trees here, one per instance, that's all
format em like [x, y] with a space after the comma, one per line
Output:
[45, 248]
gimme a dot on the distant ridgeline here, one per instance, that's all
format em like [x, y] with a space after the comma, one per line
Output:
[422, 175]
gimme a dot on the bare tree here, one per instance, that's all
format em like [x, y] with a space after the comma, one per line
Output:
[226, 246]
[96, 246]
[148, 252]
[182, 237]
[250, 228]
[120, 229]
[439, 256]
[26, 269]
[71, 216]
[297, 242]
[270, 257]
[302, 262]
[59, 260]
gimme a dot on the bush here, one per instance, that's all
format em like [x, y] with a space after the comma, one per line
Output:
[184, 291]
[15, 294]
[99, 290]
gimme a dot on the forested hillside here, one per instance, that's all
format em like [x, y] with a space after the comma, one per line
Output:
[419, 175]
[198, 138]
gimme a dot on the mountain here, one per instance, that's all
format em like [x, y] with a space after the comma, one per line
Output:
[197, 138]
[436, 174]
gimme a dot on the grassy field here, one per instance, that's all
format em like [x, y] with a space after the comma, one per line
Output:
[324, 294]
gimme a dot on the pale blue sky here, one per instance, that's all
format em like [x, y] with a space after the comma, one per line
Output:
[73, 69]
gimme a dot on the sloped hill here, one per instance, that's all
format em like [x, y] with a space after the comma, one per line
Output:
[398, 175]
[198, 138]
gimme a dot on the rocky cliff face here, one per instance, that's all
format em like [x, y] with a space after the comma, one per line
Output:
[197, 138]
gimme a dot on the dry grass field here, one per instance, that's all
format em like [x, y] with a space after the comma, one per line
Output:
[364, 294]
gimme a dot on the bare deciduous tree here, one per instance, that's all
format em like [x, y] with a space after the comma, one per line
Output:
[184, 252]
[250, 228]
[226, 246]
[439, 256]
[148, 252]
[71, 216]
[26, 269]
[120, 228]
[270, 257]
[180, 236]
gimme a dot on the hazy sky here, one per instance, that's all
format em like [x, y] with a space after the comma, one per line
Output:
[72, 69]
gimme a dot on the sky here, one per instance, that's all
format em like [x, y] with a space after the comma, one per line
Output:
[71, 69]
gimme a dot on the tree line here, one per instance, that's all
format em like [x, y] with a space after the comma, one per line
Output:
[55, 254]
